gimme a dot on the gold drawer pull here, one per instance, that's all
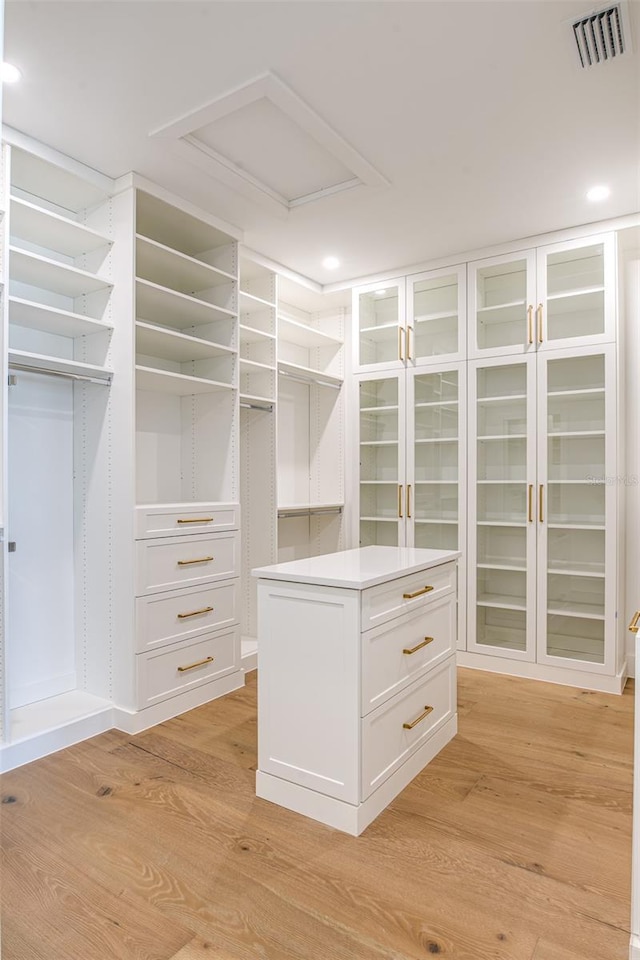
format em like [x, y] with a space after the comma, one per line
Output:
[185, 563]
[418, 593]
[194, 613]
[414, 723]
[633, 626]
[409, 650]
[192, 666]
[197, 520]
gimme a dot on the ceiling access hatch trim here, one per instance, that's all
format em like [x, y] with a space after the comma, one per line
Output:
[197, 135]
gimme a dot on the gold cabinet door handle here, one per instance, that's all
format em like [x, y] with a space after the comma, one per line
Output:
[530, 321]
[196, 520]
[409, 332]
[400, 500]
[417, 593]
[633, 626]
[418, 646]
[539, 319]
[198, 663]
[530, 503]
[409, 501]
[194, 613]
[185, 563]
[400, 335]
[541, 504]
[414, 723]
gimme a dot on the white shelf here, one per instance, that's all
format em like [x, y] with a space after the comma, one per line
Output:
[304, 336]
[54, 712]
[179, 384]
[253, 366]
[37, 271]
[503, 436]
[155, 341]
[52, 231]
[501, 483]
[575, 526]
[507, 398]
[386, 409]
[379, 332]
[436, 403]
[378, 483]
[438, 483]
[502, 601]
[308, 375]
[576, 433]
[584, 611]
[38, 316]
[576, 572]
[437, 440]
[437, 520]
[591, 391]
[379, 519]
[251, 335]
[501, 306]
[578, 292]
[57, 365]
[249, 303]
[499, 523]
[40, 178]
[155, 302]
[378, 443]
[445, 315]
[502, 566]
[161, 264]
[257, 402]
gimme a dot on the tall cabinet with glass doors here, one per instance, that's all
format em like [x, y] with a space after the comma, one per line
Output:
[409, 344]
[543, 498]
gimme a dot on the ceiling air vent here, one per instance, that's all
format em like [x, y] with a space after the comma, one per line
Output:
[600, 36]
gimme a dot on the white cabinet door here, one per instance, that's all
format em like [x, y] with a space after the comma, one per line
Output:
[502, 529]
[436, 316]
[382, 493]
[379, 330]
[576, 293]
[576, 504]
[501, 305]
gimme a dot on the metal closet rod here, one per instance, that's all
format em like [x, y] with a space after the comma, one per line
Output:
[318, 380]
[308, 512]
[44, 371]
[265, 407]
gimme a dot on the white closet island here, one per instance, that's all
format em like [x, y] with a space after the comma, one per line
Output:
[356, 679]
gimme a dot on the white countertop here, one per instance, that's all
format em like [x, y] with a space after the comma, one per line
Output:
[359, 568]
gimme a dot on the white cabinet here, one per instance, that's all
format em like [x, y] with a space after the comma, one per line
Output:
[412, 456]
[375, 626]
[560, 295]
[543, 511]
[413, 321]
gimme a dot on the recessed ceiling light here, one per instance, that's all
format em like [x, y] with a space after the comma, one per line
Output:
[9, 73]
[598, 193]
[381, 292]
[331, 263]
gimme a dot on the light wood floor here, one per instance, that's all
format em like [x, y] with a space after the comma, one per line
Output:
[514, 844]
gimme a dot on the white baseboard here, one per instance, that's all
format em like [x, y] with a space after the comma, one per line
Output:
[132, 721]
[634, 947]
[537, 671]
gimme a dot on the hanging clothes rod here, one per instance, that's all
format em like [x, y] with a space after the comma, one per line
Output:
[44, 371]
[265, 407]
[308, 512]
[318, 380]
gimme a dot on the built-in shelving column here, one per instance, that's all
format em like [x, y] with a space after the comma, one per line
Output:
[258, 300]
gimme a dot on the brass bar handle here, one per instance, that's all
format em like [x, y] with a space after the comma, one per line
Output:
[633, 626]
[409, 501]
[414, 723]
[400, 501]
[409, 332]
[417, 593]
[541, 504]
[192, 666]
[419, 646]
[530, 503]
[400, 332]
[197, 520]
[530, 321]
[539, 321]
[194, 613]
[185, 563]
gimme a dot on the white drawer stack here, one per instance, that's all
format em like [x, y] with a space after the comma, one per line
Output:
[357, 682]
[187, 585]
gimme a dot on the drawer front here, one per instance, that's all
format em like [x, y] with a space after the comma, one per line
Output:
[394, 655]
[184, 520]
[395, 597]
[164, 618]
[173, 670]
[172, 562]
[386, 743]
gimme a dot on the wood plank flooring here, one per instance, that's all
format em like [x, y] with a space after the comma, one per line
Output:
[513, 844]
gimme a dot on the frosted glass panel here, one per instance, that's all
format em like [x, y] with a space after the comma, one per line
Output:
[379, 321]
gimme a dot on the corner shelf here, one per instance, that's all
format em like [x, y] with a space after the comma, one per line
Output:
[303, 335]
[65, 323]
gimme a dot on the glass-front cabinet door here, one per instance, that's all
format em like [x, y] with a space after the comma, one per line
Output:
[502, 529]
[502, 295]
[576, 506]
[576, 288]
[436, 466]
[383, 494]
[436, 313]
[379, 332]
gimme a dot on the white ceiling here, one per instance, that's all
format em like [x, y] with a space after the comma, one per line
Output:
[476, 113]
